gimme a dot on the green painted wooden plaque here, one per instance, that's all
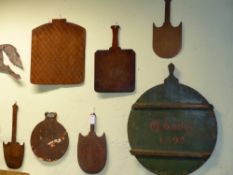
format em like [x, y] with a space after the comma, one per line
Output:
[172, 128]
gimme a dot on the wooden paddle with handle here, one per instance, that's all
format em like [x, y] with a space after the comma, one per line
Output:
[115, 68]
[13, 151]
[167, 40]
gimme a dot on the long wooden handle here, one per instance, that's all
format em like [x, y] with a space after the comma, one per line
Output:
[167, 10]
[115, 31]
[14, 123]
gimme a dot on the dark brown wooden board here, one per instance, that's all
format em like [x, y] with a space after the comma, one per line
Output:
[167, 40]
[14, 151]
[92, 151]
[115, 68]
[58, 53]
[49, 139]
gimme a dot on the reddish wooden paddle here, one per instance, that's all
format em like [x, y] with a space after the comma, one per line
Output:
[13, 151]
[92, 150]
[115, 68]
[167, 40]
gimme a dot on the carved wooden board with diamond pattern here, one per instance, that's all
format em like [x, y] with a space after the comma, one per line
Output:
[58, 53]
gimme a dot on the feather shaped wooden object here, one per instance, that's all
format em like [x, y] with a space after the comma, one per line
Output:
[14, 58]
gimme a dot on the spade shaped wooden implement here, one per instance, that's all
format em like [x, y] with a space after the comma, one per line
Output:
[115, 68]
[92, 150]
[13, 151]
[167, 40]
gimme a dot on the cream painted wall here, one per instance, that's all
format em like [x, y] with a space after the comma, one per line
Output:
[204, 63]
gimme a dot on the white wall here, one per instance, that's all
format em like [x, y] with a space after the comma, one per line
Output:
[204, 63]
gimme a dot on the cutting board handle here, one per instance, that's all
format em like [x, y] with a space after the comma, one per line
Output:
[115, 31]
[167, 11]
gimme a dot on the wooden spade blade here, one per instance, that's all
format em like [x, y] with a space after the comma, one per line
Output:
[92, 152]
[13, 153]
[167, 40]
[6, 172]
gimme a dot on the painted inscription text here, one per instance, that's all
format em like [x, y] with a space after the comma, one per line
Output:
[176, 129]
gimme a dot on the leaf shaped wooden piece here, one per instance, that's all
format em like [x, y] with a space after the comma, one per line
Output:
[14, 58]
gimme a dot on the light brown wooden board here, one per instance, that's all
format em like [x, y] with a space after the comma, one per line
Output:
[58, 53]
[6, 172]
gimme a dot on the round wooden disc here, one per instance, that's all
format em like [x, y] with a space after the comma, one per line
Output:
[172, 128]
[49, 139]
